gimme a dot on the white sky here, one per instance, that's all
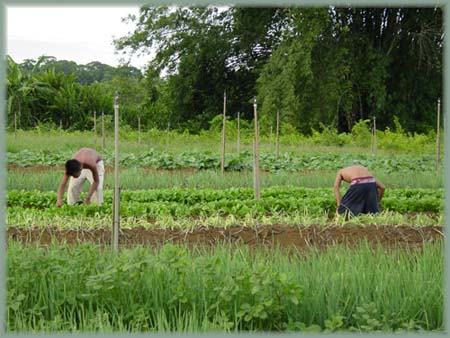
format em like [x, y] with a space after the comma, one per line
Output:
[80, 34]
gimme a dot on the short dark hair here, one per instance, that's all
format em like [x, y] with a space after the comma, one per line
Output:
[72, 166]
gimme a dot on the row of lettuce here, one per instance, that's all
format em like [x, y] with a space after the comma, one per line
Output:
[206, 160]
[239, 202]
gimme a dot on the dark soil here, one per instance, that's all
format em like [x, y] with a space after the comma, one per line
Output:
[299, 237]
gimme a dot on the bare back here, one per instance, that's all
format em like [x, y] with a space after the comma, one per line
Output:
[87, 157]
[352, 172]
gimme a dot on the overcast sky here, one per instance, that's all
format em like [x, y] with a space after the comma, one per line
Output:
[80, 34]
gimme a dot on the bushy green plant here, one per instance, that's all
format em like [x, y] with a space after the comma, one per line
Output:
[328, 136]
[395, 141]
[240, 202]
[231, 288]
[361, 133]
[46, 127]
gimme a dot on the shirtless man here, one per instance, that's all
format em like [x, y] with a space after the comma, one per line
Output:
[364, 194]
[86, 164]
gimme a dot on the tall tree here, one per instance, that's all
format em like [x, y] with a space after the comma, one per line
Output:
[203, 52]
[355, 63]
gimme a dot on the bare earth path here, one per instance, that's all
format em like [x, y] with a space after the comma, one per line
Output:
[299, 237]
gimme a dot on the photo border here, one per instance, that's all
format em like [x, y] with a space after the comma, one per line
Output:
[305, 3]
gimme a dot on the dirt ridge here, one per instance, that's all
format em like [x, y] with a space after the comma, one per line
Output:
[270, 236]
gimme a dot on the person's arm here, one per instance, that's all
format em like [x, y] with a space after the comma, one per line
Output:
[337, 184]
[381, 189]
[94, 185]
[61, 188]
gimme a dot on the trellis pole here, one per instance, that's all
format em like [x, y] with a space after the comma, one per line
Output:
[374, 136]
[139, 129]
[256, 183]
[167, 134]
[222, 161]
[438, 139]
[116, 220]
[15, 124]
[238, 146]
[270, 137]
[95, 128]
[103, 132]
[277, 136]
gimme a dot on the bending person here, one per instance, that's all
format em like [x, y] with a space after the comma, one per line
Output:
[86, 164]
[363, 195]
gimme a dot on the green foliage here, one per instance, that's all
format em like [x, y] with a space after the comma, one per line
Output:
[330, 66]
[329, 136]
[361, 133]
[206, 160]
[48, 92]
[238, 202]
[81, 288]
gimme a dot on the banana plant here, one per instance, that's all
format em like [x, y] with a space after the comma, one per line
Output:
[23, 89]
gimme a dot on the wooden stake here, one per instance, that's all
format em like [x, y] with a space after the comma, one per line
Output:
[374, 136]
[238, 133]
[438, 139]
[95, 129]
[371, 139]
[270, 137]
[116, 219]
[277, 137]
[256, 182]
[15, 124]
[222, 162]
[139, 129]
[167, 135]
[103, 132]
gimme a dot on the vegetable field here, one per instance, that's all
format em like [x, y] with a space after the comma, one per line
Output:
[198, 253]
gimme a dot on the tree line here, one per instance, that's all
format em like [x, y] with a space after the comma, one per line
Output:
[318, 66]
[63, 94]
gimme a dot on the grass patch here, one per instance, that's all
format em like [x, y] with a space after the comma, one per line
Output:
[80, 288]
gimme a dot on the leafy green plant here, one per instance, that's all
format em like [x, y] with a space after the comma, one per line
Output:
[82, 288]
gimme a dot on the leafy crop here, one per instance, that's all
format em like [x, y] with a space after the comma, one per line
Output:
[80, 288]
[202, 160]
[238, 202]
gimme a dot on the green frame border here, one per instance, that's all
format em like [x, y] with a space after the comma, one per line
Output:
[86, 3]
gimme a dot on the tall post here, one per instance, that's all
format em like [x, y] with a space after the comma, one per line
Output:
[277, 137]
[115, 232]
[95, 128]
[238, 146]
[15, 124]
[371, 139]
[60, 126]
[270, 137]
[222, 162]
[438, 138]
[256, 183]
[103, 132]
[139, 129]
[167, 134]
[374, 136]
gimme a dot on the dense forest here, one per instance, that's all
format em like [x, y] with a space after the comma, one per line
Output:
[318, 66]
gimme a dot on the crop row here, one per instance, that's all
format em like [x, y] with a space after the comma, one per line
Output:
[81, 288]
[234, 162]
[238, 202]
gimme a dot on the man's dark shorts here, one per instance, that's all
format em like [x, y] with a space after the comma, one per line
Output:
[360, 199]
